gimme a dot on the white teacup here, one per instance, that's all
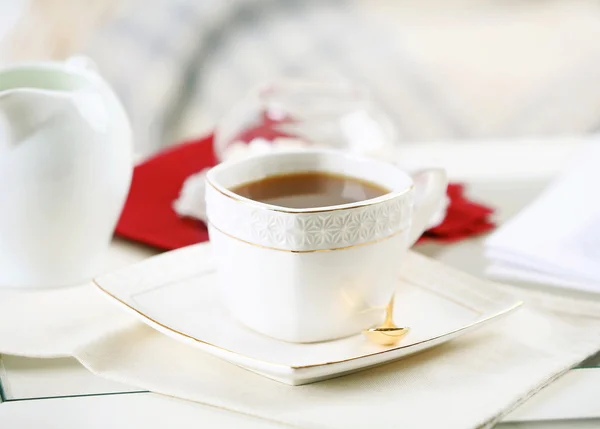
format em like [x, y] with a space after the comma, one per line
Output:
[315, 274]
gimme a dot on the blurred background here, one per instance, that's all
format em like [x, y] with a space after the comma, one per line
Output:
[442, 69]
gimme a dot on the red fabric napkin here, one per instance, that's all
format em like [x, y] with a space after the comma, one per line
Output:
[148, 216]
[464, 218]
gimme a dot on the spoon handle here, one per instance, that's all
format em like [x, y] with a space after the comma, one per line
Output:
[389, 312]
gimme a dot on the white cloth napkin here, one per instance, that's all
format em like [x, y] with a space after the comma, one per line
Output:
[556, 239]
[470, 382]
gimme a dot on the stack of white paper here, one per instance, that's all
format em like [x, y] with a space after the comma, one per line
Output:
[555, 240]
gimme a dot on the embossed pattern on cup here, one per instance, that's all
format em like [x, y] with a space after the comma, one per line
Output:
[331, 229]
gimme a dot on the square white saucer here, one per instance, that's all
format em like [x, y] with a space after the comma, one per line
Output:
[177, 294]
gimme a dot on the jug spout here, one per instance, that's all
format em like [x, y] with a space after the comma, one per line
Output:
[34, 97]
[23, 112]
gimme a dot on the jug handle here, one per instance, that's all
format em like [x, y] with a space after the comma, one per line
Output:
[430, 189]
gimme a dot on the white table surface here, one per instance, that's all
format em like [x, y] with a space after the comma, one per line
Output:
[60, 393]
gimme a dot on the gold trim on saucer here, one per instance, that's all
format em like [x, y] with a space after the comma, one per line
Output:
[309, 251]
[145, 316]
[477, 322]
[293, 367]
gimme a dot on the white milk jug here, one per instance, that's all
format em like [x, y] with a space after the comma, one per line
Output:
[65, 170]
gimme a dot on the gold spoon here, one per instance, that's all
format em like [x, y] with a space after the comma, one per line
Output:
[386, 334]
